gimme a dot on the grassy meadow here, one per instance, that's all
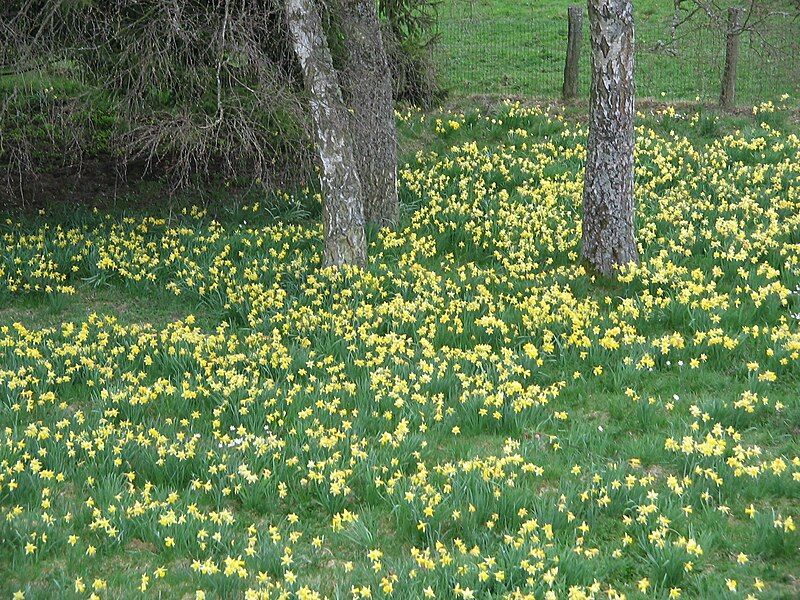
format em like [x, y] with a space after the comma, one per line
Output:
[191, 408]
[507, 47]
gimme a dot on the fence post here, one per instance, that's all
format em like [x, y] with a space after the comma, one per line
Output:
[727, 96]
[572, 64]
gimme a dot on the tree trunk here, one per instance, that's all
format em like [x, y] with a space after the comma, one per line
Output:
[367, 86]
[342, 211]
[570, 88]
[608, 207]
[727, 96]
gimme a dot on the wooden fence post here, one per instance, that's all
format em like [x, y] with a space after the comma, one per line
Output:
[572, 64]
[727, 96]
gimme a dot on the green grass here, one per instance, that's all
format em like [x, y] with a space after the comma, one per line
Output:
[507, 48]
[197, 363]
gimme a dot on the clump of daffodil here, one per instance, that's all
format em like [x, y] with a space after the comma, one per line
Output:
[443, 423]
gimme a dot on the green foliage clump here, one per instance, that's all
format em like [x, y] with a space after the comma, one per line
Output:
[195, 90]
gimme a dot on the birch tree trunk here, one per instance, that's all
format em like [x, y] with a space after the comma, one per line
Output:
[367, 86]
[342, 211]
[608, 238]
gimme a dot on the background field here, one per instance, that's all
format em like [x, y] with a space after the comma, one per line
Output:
[508, 47]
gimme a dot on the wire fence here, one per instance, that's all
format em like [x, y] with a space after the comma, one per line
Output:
[484, 54]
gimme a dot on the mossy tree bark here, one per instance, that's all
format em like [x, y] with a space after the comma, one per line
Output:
[608, 238]
[343, 212]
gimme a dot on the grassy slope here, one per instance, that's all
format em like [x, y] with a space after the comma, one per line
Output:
[509, 47]
[605, 433]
